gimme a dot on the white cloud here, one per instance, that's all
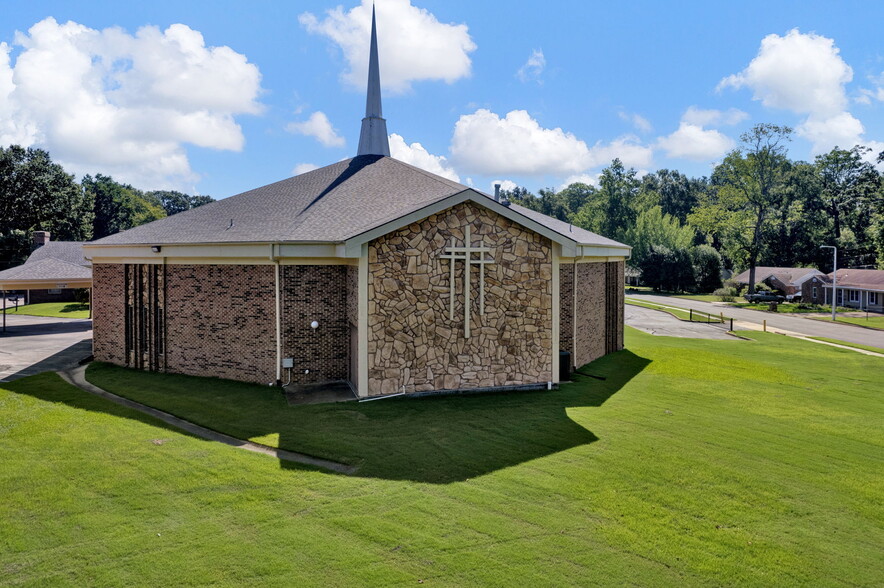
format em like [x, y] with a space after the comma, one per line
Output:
[705, 118]
[803, 73]
[416, 155]
[318, 127]
[303, 168]
[412, 44]
[588, 179]
[125, 105]
[638, 121]
[508, 185]
[843, 130]
[694, 142]
[516, 144]
[533, 68]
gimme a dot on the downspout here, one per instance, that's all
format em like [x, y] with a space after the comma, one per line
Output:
[275, 259]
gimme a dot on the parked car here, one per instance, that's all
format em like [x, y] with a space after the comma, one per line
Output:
[763, 297]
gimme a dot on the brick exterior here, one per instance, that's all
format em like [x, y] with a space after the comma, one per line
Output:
[566, 308]
[316, 293]
[39, 296]
[221, 321]
[599, 311]
[415, 346]
[353, 294]
[590, 312]
[108, 312]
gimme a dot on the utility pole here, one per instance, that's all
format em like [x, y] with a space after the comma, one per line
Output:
[834, 276]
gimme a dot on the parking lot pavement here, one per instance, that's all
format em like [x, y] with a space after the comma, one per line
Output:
[657, 322]
[33, 344]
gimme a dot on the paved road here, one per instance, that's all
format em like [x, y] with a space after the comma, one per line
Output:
[33, 344]
[795, 324]
[664, 324]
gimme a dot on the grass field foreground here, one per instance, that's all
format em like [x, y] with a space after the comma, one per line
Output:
[693, 463]
[74, 310]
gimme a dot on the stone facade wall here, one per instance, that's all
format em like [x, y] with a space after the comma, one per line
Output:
[108, 312]
[566, 308]
[589, 312]
[415, 346]
[315, 293]
[221, 321]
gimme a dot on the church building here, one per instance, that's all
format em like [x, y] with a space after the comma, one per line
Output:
[370, 271]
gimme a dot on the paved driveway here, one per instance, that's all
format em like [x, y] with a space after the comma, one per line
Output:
[33, 344]
[657, 322]
[794, 324]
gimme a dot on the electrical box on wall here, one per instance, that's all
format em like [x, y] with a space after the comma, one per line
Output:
[288, 362]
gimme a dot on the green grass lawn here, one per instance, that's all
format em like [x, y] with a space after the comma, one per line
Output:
[693, 463]
[681, 314]
[848, 344]
[873, 321]
[53, 309]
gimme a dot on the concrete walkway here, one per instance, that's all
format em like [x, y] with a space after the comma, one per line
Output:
[657, 322]
[77, 377]
[34, 344]
[787, 324]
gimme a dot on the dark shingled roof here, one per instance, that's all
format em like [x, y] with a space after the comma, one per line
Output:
[867, 279]
[47, 269]
[68, 251]
[786, 275]
[329, 204]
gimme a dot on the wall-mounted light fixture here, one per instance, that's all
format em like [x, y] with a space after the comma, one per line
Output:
[156, 248]
[314, 325]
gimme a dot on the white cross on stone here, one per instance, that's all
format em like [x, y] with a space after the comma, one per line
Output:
[465, 254]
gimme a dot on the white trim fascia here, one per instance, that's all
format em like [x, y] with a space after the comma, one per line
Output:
[849, 287]
[214, 250]
[353, 244]
[44, 284]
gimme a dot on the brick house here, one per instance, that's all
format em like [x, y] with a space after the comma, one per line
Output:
[788, 280]
[368, 270]
[52, 273]
[862, 289]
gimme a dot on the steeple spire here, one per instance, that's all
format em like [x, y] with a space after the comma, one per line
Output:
[373, 138]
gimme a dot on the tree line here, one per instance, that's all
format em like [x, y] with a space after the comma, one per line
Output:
[758, 208]
[37, 194]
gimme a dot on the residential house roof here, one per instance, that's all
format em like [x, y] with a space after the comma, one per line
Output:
[787, 275]
[864, 279]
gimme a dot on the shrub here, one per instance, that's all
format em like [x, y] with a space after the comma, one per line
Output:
[725, 294]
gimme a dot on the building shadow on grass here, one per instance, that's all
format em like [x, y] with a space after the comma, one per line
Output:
[444, 439]
[434, 439]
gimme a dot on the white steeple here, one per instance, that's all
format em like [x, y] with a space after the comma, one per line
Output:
[373, 138]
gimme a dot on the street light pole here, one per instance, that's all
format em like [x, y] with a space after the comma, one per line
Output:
[834, 275]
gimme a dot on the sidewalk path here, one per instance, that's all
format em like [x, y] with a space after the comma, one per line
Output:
[776, 322]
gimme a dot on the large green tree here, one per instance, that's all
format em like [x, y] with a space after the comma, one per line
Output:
[174, 202]
[117, 207]
[611, 210]
[37, 195]
[747, 188]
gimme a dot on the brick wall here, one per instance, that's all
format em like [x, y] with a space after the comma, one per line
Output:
[108, 312]
[353, 294]
[566, 308]
[316, 293]
[221, 321]
[589, 312]
[414, 344]
[39, 296]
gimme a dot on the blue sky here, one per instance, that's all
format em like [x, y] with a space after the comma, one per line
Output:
[222, 97]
